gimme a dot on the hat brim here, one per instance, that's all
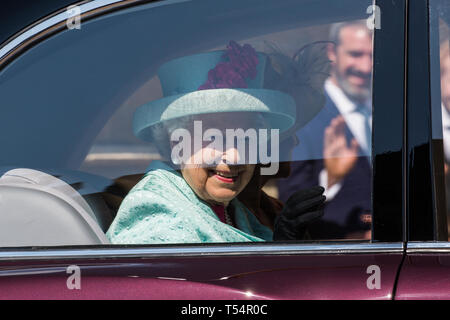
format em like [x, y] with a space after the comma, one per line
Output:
[277, 108]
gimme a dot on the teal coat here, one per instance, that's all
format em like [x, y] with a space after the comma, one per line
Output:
[162, 208]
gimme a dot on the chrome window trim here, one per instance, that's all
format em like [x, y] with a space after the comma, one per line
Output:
[201, 251]
[56, 22]
[428, 247]
[46, 25]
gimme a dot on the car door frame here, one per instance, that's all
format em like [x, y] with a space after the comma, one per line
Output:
[427, 260]
[389, 171]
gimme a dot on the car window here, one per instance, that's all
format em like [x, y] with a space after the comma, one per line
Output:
[440, 89]
[192, 122]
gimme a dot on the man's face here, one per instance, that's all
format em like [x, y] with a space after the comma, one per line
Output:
[352, 62]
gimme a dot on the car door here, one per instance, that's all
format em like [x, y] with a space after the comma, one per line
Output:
[425, 272]
[68, 83]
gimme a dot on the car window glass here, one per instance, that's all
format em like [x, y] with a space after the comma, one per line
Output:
[192, 122]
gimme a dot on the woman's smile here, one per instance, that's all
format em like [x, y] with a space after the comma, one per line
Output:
[218, 184]
[224, 176]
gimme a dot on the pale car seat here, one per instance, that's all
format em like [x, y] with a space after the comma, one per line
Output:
[92, 188]
[38, 209]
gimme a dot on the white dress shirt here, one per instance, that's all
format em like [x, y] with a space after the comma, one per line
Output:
[359, 120]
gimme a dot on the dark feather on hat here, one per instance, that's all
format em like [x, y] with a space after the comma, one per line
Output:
[302, 76]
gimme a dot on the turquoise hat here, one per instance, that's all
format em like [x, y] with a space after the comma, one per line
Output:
[180, 81]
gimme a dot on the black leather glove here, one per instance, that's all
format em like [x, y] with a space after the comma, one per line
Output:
[299, 210]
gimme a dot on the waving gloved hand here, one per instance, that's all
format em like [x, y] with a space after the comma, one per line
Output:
[299, 210]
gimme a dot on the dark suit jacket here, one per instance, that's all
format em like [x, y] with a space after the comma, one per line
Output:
[349, 209]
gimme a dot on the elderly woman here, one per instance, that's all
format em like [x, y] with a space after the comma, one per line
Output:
[191, 198]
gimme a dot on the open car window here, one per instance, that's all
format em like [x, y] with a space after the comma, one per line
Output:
[115, 131]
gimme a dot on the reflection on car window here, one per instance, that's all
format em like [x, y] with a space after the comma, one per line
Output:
[256, 132]
[442, 35]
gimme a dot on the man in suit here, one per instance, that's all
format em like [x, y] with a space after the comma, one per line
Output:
[334, 148]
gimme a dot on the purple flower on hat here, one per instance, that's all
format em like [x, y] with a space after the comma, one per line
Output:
[224, 75]
[243, 59]
[241, 62]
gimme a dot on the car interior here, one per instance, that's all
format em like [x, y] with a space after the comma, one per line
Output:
[75, 83]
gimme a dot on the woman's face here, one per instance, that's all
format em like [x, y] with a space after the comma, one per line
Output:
[227, 176]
